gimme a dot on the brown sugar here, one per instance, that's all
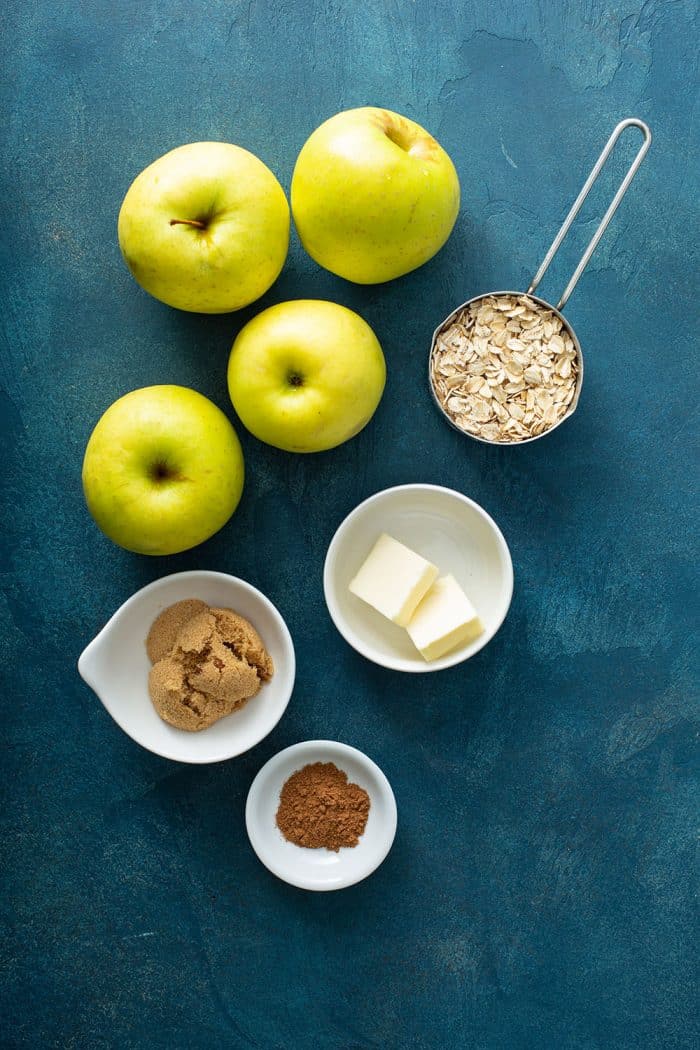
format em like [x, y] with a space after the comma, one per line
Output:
[166, 627]
[207, 663]
[320, 808]
[241, 637]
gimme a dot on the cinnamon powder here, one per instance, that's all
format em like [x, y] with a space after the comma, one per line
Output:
[319, 807]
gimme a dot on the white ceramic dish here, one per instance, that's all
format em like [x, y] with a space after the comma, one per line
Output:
[115, 666]
[444, 526]
[320, 869]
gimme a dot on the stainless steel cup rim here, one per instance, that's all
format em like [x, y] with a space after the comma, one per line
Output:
[554, 247]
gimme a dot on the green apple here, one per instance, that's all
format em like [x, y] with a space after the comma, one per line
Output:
[373, 195]
[306, 375]
[205, 228]
[163, 470]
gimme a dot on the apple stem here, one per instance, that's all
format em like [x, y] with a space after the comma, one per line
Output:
[188, 222]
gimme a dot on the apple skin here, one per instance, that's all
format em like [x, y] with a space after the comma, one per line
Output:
[306, 375]
[241, 250]
[163, 470]
[374, 196]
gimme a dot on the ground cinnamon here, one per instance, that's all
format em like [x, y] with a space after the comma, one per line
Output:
[319, 807]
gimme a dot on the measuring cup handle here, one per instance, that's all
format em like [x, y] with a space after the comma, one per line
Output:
[631, 122]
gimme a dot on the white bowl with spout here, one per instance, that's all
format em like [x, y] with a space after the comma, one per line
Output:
[115, 665]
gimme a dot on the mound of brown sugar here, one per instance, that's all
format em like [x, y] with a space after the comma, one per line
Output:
[207, 662]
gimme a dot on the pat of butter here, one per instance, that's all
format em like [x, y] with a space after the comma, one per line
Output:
[444, 619]
[393, 579]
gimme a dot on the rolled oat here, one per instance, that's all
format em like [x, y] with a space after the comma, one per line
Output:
[505, 369]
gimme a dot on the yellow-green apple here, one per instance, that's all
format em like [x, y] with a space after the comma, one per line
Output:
[163, 470]
[306, 375]
[373, 195]
[205, 228]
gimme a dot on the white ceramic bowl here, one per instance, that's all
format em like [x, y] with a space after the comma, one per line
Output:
[116, 666]
[449, 530]
[320, 869]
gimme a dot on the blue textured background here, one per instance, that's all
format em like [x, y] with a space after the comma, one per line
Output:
[539, 893]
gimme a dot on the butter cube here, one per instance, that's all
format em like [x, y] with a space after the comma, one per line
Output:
[393, 579]
[444, 619]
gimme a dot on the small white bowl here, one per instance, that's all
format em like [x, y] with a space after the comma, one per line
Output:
[449, 530]
[115, 665]
[320, 869]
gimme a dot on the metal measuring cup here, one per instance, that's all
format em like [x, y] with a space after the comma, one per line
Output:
[631, 122]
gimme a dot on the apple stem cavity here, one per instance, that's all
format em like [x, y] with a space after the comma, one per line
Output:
[189, 222]
[395, 136]
[161, 472]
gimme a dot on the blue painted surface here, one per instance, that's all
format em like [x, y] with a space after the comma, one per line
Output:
[540, 892]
